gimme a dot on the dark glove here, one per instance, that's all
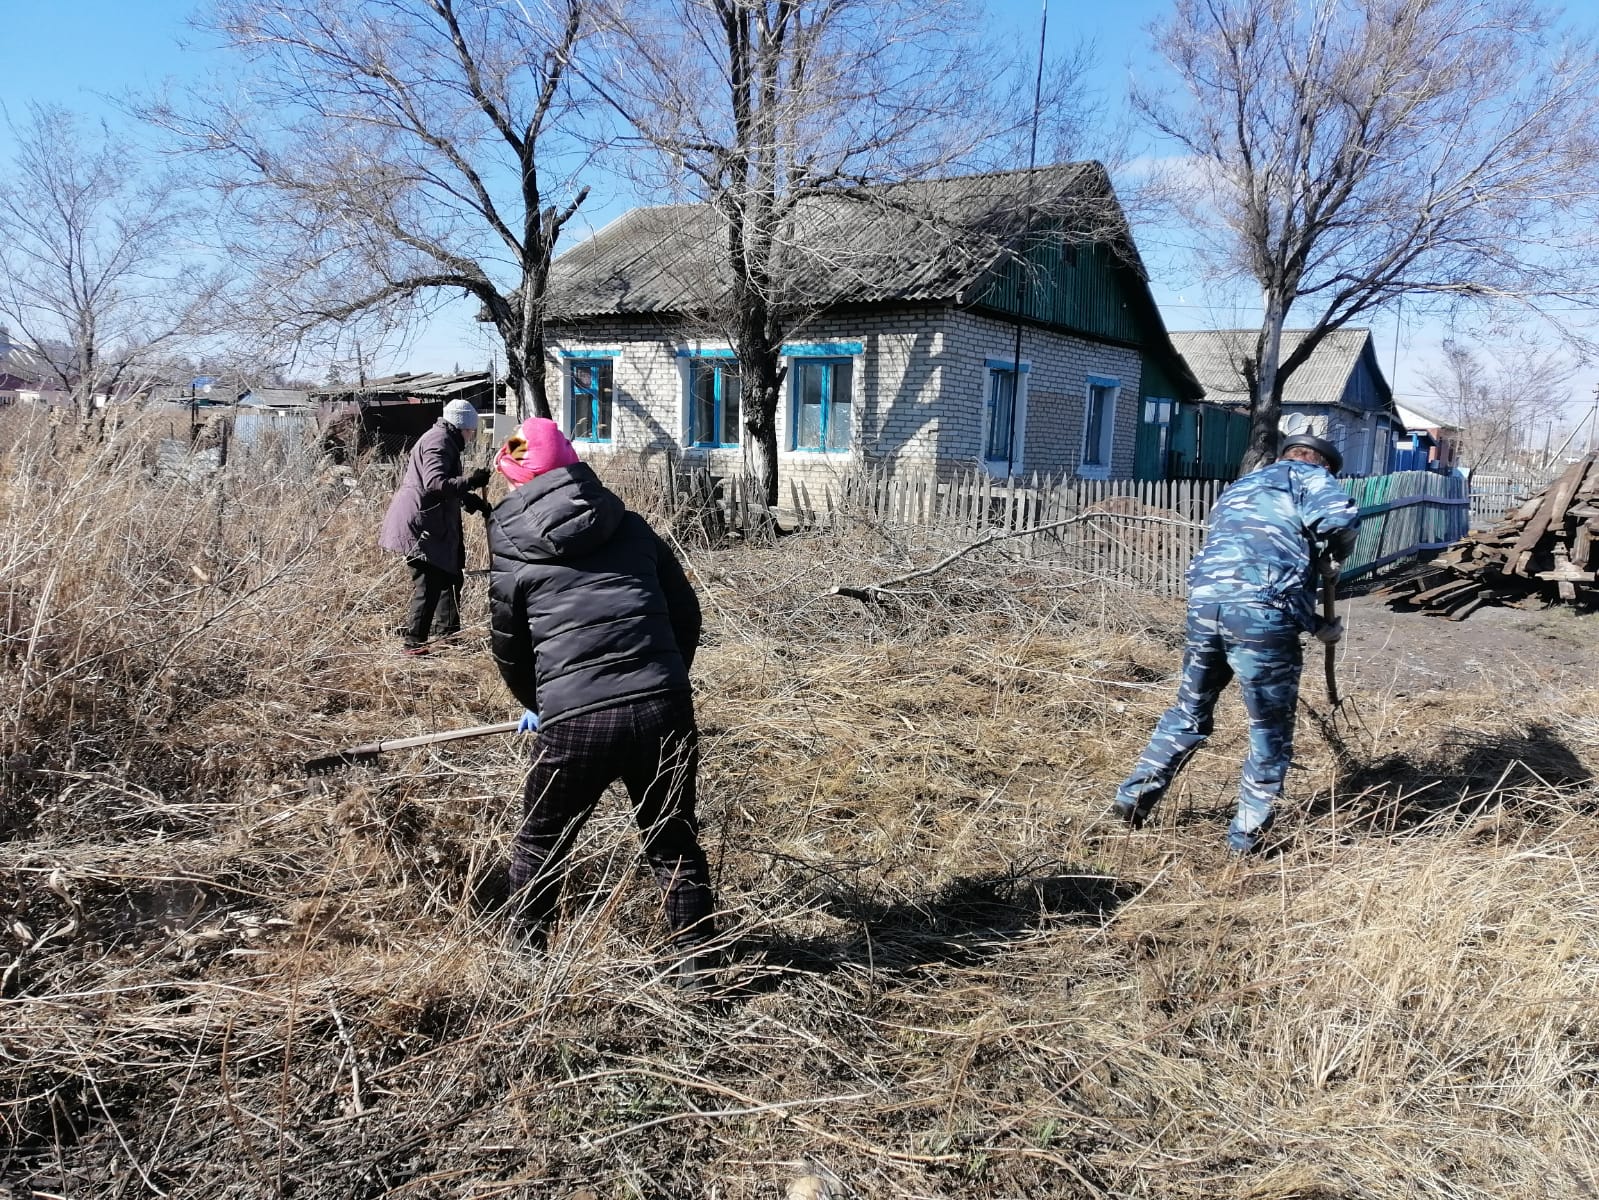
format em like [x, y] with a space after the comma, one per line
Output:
[475, 503]
[478, 479]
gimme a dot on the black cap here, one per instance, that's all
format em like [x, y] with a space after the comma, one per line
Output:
[1335, 460]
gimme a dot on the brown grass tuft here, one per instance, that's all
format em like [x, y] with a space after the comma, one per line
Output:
[949, 977]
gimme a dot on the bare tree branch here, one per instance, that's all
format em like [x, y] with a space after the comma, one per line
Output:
[1347, 154]
[90, 270]
[374, 152]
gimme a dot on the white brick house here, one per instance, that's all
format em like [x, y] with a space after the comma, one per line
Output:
[910, 360]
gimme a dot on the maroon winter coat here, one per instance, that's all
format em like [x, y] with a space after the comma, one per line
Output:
[424, 518]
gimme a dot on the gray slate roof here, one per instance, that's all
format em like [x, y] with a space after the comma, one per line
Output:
[1215, 354]
[926, 240]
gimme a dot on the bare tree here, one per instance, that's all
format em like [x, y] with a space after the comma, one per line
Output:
[1346, 153]
[1501, 396]
[780, 114]
[384, 154]
[90, 273]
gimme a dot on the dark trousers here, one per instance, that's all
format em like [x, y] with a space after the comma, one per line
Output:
[435, 603]
[652, 746]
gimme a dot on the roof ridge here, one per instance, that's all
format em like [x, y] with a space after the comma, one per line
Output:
[639, 209]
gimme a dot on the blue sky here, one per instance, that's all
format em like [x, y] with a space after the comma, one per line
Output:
[74, 52]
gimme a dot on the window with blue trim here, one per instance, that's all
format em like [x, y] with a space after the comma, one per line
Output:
[999, 439]
[590, 419]
[1099, 423]
[821, 391]
[713, 388]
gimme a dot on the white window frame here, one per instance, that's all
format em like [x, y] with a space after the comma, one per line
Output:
[1018, 434]
[1107, 446]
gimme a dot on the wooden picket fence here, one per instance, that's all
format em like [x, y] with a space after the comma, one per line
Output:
[1137, 533]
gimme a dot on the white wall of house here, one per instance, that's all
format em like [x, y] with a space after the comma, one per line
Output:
[919, 385]
[1059, 370]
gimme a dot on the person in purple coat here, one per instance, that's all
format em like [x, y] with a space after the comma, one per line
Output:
[423, 523]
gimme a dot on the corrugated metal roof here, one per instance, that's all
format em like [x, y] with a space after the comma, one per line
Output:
[925, 240]
[1216, 355]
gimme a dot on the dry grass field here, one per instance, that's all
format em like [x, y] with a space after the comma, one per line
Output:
[947, 978]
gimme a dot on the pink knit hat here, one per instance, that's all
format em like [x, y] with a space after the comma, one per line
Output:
[538, 446]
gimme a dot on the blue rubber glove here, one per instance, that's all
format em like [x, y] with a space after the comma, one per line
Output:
[529, 722]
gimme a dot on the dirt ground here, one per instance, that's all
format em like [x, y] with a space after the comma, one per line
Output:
[1512, 651]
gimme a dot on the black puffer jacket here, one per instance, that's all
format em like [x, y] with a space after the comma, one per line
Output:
[589, 607]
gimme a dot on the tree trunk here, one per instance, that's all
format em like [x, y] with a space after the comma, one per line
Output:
[1266, 402]
[525, 375]
[536, 372]
[760, 380]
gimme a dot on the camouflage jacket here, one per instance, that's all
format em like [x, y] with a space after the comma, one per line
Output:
[1265, 535]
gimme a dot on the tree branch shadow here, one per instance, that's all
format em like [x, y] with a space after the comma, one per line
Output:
[967, 920]
[1469, 772]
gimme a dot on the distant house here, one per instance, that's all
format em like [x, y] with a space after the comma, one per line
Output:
[1426, 443]
[915, 295]
[23, 374]
[1338, 393]
[393, 411]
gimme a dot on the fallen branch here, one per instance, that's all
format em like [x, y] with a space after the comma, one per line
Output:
[874, 592]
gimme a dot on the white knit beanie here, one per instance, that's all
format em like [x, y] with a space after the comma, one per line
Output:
[461, 414]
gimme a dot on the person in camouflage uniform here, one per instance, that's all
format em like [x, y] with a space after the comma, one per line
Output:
[1251, 594]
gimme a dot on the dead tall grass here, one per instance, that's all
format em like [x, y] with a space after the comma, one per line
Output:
[948, 978]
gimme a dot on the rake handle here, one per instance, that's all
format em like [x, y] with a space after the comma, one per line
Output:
[1329, 611]
[427, 739]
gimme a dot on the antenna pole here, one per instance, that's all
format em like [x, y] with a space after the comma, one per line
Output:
[1021, 267]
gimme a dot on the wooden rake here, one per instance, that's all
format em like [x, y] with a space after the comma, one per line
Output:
[367, 755]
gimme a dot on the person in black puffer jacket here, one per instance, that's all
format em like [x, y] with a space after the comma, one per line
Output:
[594, 629]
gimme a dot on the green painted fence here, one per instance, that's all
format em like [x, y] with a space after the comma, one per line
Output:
[1405, 514]
[1199, 441]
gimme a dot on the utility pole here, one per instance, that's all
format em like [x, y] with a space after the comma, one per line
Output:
[1589, 420]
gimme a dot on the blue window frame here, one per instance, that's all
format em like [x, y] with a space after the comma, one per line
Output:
[999, 438]
[821, 391]
[713, 391]
[591, 400]
[1099, 423]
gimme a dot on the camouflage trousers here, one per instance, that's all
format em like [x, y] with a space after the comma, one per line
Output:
[1260, 647]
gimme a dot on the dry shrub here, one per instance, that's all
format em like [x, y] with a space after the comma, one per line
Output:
[948, 977]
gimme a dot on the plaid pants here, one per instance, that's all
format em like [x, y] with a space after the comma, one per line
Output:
[652, 746]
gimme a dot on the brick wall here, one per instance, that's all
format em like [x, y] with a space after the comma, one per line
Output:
[918, 393]
[1055, 393]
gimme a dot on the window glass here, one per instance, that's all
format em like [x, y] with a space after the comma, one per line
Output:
[602, 402]
[1094, 436]
[702, 420]
[838, 413]
[822, 391]
[1001, 416]
[591, 400]
[730, 395]
[808, 396]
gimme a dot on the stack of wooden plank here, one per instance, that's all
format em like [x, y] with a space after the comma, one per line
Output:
[1546, 551]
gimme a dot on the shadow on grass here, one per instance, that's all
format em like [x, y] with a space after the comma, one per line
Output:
[1468, 773]
[962, 923]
